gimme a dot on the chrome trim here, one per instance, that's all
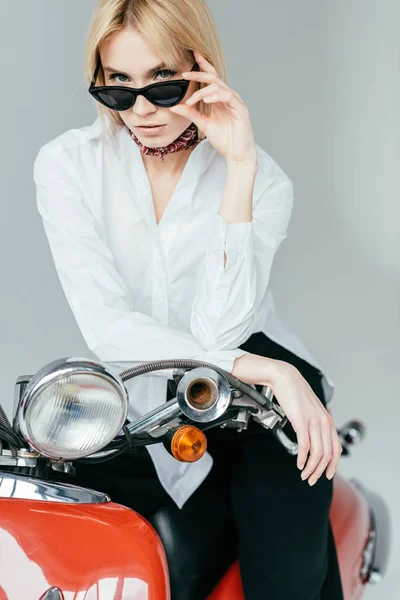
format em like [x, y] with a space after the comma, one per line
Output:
[29, 488]
[268, 415]
[240, 422]
[102, 453]
[377, 549]
[19, 458]
[4, 419]
[262, 415]
[16, 461]
[53, 593]
[291, 447]
[167, 412]
[267, 392]
[155, 418]
[270, 418]
[352, 432]
[19, 390]
[61, 466]
[216, 388]
[60, 368]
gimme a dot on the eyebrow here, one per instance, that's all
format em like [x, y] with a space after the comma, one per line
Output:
[149, 72]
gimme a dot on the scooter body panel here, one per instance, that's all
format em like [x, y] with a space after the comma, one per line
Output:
[88, 551]
[230, 586]
[351, 525]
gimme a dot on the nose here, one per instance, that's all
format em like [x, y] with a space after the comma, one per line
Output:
[143, 106]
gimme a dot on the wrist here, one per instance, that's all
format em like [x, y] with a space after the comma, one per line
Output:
[258, 370]
[247, 165]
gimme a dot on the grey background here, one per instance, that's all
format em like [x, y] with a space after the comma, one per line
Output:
[324, 101]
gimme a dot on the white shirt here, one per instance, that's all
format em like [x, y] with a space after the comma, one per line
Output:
[142, 292]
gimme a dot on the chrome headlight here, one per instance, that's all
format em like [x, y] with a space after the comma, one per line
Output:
[72, 407]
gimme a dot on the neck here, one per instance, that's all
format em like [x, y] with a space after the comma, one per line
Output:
[169, 159]
[171, 165]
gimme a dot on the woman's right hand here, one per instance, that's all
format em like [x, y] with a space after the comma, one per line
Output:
[314, 426]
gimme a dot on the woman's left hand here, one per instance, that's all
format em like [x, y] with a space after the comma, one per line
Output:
[228, 128]
[319, 445]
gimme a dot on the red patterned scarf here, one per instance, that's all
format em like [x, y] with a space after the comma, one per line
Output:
[188, 138]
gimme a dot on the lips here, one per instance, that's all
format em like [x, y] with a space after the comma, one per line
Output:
[152, 131]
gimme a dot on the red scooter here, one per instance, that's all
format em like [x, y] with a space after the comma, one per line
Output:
[63, 542]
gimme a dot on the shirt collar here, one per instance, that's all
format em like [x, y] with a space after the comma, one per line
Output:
[126, 157]
[130, 157]
[96, 129]
[122, 141]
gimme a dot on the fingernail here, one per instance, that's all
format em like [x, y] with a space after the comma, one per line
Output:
[329, 476]
[301, 466]
[312, 481]
[303, 476]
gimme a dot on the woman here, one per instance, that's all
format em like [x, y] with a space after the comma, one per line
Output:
[163, 219]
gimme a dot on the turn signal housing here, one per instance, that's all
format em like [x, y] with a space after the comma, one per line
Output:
[188, 443]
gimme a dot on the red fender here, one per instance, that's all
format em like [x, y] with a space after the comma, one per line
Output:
[104, 551]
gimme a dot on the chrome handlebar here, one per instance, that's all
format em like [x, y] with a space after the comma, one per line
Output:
[203, 395]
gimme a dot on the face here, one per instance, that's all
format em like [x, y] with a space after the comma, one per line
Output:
[128, 59]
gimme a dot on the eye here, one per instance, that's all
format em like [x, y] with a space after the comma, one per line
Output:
[168, 71]
[115, 75]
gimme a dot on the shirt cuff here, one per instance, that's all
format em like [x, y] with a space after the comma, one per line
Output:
[233, 238]
[223, 358]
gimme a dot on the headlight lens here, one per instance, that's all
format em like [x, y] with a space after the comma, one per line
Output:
[72, 408]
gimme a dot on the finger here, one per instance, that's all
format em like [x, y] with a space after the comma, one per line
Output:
[202, 77]
[303, 442]
[191, 113]
[203, 63]
[336, 453]
[216, 85]
[316, 451]
[239, 97]
[196, 96]
[210, 80]
[207, 68]
[225, 97]
[326, 434]
[222, 96]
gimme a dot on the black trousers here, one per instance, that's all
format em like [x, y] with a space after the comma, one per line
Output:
[252, 505]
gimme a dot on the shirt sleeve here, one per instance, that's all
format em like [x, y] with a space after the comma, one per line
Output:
[97, 295]
[227, 299]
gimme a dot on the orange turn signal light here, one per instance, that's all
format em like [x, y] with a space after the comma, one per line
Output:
[188, 444]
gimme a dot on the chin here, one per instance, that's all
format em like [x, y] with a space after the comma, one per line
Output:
[162, 139]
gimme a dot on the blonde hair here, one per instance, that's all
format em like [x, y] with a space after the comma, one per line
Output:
[174, 28]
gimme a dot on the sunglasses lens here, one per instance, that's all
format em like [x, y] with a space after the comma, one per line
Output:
[161, 95]
[115, 99]
[166, 95]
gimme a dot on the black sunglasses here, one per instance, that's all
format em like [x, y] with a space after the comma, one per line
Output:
[118, 97]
